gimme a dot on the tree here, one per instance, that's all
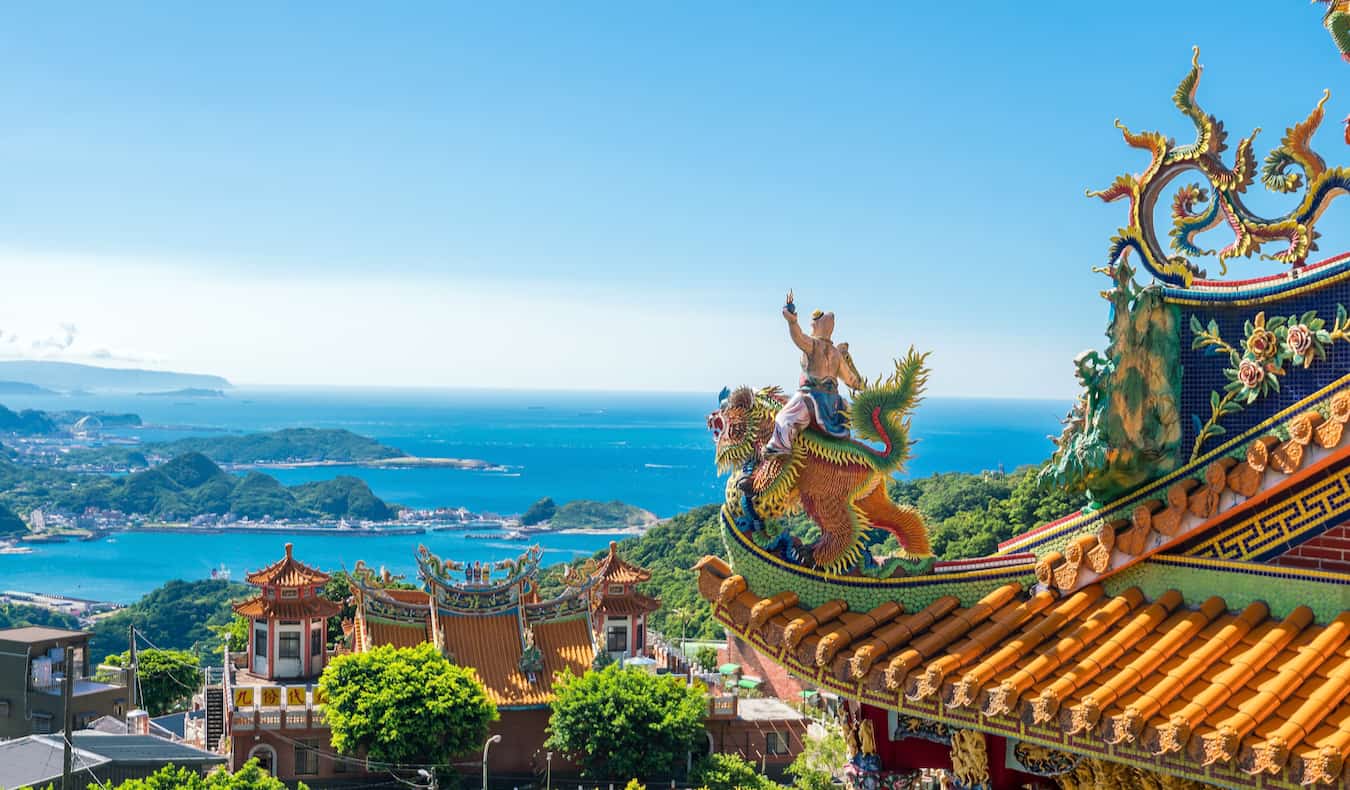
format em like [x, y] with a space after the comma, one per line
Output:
[233, 635]
[706, 657]
[168, 678]
[823, 756]
[729, 772]
[178, 615]
[405, 705]
[250, 777]
[625, 722]
[540, 511]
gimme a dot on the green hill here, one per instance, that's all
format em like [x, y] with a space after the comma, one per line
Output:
[188, 485]
[592, 515]
[289, 444]
[177, 616]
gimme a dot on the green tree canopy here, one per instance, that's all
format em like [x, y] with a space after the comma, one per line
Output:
[405, 705]
[821, 759]
[729, 772]
[170, 777]
[625, 722]
[168, 678]
[179, 616]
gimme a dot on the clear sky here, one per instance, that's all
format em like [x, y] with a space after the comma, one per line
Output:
[588, 195]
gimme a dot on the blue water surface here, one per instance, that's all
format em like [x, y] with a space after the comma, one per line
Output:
[650, 450]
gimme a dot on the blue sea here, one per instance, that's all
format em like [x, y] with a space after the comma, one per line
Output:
[650, 450]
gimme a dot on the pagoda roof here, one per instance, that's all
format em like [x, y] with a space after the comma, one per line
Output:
[614, 569]
[1218, 693]
[260, 607]
[626, 605]
[288, 572]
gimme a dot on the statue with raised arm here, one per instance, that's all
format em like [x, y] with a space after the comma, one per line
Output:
[817, 399]
[817, 454]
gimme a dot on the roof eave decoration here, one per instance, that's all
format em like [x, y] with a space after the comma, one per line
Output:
[436, 571]
[1195, 211]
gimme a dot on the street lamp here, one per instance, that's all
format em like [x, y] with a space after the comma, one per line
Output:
[430, 776]
[548, 774]
[486, 745]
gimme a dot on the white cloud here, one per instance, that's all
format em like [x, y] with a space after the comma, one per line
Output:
[379, 330]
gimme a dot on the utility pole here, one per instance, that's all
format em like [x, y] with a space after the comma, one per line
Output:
[67, 683]
[131, 681]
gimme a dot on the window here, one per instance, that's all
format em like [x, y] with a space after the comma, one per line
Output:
[306, 757]
[339, 764]
[4, 709]
[42, 723]
[288, 645]
[289, 593]
[616, 589]
[617, 639]
[316, 641]
[775, 743]
[83, 720]
[260, 642]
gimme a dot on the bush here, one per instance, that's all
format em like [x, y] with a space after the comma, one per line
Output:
[729, 772]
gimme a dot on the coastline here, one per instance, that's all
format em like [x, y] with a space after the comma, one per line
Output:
[397, 462]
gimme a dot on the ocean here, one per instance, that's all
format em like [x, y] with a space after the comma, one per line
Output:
[650, 450]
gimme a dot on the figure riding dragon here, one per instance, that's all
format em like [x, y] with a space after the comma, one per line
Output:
[789, 455]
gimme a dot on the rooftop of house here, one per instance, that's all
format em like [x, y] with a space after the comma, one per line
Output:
[34, 634]
[36, 760]
[140, 749]
[767, 709]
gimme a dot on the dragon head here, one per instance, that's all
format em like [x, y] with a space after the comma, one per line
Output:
[742, 424]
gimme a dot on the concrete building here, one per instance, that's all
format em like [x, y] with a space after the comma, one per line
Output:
[32, 664]
[96, 759]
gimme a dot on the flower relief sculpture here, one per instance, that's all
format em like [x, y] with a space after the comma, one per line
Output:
[789, 455]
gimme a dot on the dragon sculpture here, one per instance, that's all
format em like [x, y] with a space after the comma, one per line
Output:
[1125, 428]
[1337, 21]
[839, 483]
[1289, 168]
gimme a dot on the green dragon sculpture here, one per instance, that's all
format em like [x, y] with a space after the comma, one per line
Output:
[1126, 427]
[838, 482]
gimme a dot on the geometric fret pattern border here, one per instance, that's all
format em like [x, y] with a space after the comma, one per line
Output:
[1284, 523]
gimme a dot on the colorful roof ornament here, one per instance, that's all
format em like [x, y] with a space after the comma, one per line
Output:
[1293, 167]
[288, 572]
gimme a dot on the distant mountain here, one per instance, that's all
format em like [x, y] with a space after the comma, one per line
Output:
[23, 388]
[186, 392]
[70, 376]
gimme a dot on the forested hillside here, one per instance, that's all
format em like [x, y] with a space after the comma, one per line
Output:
[968, 515]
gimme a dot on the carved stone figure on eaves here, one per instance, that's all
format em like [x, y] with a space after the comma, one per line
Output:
[840, 483]
[1125, 428]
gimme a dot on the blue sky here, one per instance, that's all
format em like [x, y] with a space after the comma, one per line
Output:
[600, 195]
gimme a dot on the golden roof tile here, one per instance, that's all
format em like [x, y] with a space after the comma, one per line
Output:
[1206, 688]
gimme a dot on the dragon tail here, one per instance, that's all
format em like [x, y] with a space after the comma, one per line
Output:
[880, 412]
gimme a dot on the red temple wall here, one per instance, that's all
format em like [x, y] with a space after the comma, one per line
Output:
[918, 753]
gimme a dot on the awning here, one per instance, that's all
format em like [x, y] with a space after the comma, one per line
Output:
[749, 683]
[729, 669]
[809, 693]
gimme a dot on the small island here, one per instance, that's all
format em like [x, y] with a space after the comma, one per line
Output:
[586, 515]
[186, 392]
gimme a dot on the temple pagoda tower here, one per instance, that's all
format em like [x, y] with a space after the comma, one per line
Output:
[620, 613]
[287, 620]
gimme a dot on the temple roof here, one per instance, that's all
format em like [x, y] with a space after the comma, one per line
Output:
[613, 569]
[1214, 693]
[626, 605]
[288, 572]
[260, 607]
